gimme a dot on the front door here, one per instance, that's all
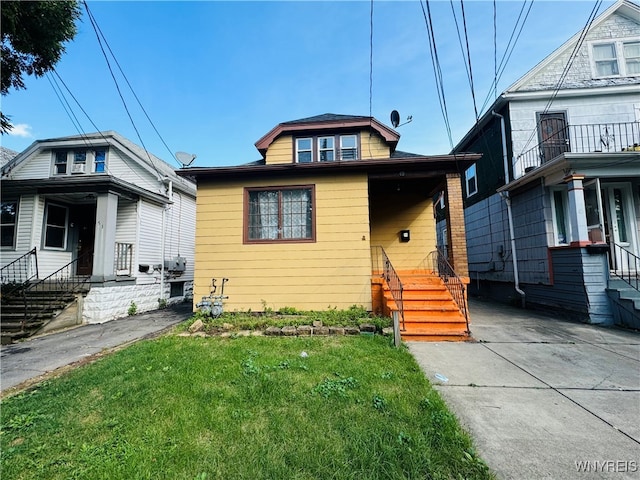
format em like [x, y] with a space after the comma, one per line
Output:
[619, 223]
[554, 137]
[84, 218]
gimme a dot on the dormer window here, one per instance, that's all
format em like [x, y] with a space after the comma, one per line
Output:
[304, 150]
[326, 151]
[60, 167]
[326, 148]
[348, 147]
[75, 162]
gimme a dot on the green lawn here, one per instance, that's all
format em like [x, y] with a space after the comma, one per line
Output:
[246, 408]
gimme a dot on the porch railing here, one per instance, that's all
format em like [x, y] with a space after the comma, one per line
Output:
[439, 264]
[390, 276]
[18, 273]
[625, 265]
[124, 258]
[602, 137]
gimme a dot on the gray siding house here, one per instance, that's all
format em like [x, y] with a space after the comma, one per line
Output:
[98, 211]
[552, 209]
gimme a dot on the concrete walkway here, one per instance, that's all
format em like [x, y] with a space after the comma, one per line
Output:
[30, 360]
[543, 398]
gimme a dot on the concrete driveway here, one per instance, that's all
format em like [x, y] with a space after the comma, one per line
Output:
[542, 397]
[35, 358]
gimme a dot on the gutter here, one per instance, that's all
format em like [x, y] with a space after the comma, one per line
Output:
[505, 195]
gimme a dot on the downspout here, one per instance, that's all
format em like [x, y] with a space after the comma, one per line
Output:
[507, 200]
[162, 240]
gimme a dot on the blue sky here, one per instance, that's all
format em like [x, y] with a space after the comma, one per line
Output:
[216, 76]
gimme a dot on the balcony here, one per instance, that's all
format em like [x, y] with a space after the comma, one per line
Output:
[591, 138]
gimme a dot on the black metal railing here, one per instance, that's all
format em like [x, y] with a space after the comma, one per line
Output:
[20, 272]
[601, 137]
[625, 265]
[439, 264]
[381, 263]
[124, 258]
[49, 293]
[22, 269]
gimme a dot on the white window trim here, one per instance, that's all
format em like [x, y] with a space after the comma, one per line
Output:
[554, 217]
[298, 150]
[332, 149]
[620, 58]
[355, 138]
[46, 223]
[468, 176]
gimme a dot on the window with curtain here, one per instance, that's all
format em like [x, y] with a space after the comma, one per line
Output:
[56, 222]
[279, 214]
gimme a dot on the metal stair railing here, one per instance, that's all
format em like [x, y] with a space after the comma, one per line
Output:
[625, 266]
[391, 277]
[21, 271]
[451, 280]
[62, 280]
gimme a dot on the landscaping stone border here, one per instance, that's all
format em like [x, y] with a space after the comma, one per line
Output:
[317, 329]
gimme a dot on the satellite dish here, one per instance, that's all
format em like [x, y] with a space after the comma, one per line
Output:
[185, 158]
[395, 118]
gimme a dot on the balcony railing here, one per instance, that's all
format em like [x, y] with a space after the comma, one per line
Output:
[602, 137]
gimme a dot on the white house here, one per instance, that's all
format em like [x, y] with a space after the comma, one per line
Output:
[552, 209]
[99, 209]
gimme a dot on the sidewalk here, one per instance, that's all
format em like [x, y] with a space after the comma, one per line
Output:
[543, 398]
[36, 357]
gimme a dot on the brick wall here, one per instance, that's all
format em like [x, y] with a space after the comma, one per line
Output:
[455, 220]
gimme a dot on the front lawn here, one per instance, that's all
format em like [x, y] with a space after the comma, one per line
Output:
[238, 408]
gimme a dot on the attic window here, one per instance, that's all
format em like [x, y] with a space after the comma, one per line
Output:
[328, 148]
[613, 59]
[60, 166]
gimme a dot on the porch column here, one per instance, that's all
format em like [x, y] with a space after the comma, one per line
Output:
[577, 210]
[456, 235]
[105, 236]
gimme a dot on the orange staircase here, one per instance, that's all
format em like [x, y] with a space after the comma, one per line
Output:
[430, 312]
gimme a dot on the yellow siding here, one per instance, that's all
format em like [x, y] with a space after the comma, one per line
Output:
[334, 271]
[412, 212]
[280, 151]
[373, 146]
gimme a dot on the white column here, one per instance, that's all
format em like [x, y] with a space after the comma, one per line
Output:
[577, 210]
[105, 236]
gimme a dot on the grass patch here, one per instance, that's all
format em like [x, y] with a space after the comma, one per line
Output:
[251, 407]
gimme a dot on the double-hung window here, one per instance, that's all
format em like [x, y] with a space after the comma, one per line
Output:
[304, 150]
[279, 214]
[8, 221]
[348, 147]
[326, 152]
[56, 221]
[60, 163]
[99, 161]
[616, 58]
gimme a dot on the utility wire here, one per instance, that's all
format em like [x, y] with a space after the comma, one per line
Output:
[495, 50]
[508, 50]
[437, 71]
[124, 103]
[370, 75]
[131, 88]
[67, 108]
[466, 38]
[567, 67]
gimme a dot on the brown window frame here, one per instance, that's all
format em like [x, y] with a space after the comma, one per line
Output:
[246, 212]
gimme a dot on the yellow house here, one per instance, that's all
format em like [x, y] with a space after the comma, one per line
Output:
[332, 216]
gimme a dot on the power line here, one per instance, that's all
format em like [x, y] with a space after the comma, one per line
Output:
[131, 88]
[508, 51]
[465, 56]
[437, 71]
[115, 81]
[567, 67]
